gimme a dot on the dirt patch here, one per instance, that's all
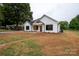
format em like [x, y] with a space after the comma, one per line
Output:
[66, 43]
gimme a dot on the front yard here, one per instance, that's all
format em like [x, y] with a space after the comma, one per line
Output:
[4, 30]
[31, 43]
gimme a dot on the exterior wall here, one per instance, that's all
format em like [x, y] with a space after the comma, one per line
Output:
[48, 21]
[27, 24]
[43, 28]
[59, 28]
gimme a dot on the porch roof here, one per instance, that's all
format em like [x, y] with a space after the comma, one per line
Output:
[37, 22]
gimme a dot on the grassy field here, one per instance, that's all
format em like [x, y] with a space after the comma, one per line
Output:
[39, 44]
[4, 30]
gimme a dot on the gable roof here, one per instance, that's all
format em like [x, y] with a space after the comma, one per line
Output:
[28, 22]
[49, 18]
[45, 16]
[38, 20]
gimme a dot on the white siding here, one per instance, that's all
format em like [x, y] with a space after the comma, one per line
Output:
[27, 24]
[43, 28]
[59, 28]
[48, 21]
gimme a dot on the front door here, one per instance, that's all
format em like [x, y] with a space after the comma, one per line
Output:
[40, 28]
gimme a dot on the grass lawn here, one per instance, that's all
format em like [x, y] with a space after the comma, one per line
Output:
[38, 44]
[4, 30]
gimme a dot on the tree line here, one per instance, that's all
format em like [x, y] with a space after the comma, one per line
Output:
[14, 14]
[73, 25]
[17, 13]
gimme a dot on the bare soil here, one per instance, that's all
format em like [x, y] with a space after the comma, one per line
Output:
[51, 44]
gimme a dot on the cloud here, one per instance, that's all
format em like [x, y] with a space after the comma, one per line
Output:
[58, 11]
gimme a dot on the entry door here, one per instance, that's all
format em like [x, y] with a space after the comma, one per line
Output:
[40, 28]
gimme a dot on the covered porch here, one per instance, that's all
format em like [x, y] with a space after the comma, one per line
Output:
[38, 27]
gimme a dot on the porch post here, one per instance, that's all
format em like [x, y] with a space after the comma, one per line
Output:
[32, 28]
[38, 28]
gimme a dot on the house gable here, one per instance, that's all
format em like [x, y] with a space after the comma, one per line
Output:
[47, 20]
[27, 23]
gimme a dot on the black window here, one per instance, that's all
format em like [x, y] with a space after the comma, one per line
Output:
[49, 27]
[27, 27]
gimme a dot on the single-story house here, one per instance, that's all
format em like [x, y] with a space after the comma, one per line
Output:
[43, 24]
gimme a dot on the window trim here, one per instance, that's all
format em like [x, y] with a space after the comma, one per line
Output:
[28, 27]
[49, 25]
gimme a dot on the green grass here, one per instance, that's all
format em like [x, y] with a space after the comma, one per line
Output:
[75, 31]
[25, 48]
[13, 38]
[9, 52]
[35, 53]
[31, 44]
[36, 48]
[4, 30]
[2, 41]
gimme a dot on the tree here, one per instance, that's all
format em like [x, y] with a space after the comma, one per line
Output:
[1, 16]
[16, 13]
[74, 23]
[64, 25]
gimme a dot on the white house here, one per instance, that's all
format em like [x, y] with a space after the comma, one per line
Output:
[43, 24]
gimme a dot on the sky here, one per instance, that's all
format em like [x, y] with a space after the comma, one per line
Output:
[57, 11]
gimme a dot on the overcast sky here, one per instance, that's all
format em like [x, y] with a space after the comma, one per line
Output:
[58, 11]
